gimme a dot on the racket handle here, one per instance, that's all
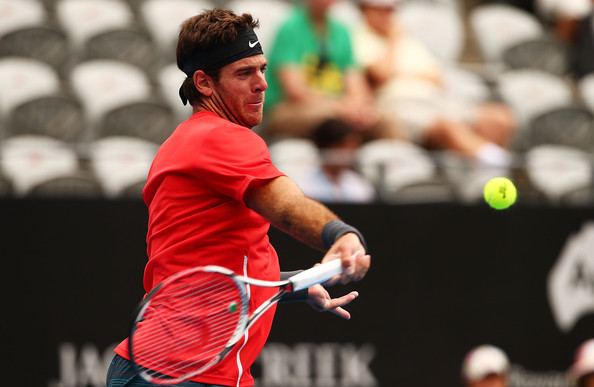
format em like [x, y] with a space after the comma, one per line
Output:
[316, 274]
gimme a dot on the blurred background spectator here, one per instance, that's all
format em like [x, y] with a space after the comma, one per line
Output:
[408, 81]
[581, 373]
[486, 366]
[563, 16]
[580, 37]
[334, 179]
[313, 76]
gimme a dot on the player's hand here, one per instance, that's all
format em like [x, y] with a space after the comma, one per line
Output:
[355, 262]
[320, 300]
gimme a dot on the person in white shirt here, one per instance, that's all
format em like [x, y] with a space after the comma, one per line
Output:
[563, 16]
[335, 180]
[407, 80]
[581, 372]
[486, 366]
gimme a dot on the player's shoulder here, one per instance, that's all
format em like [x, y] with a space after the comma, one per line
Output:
[207, 125]
[204, 122]
[220, 130]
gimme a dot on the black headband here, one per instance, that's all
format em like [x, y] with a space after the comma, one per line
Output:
[245, 45]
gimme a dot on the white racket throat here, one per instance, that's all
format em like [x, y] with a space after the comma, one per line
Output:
[303, 280]
[316, 275]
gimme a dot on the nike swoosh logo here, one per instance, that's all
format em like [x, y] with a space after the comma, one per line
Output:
[252, 45]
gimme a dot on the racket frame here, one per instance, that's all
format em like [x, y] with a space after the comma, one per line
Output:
[241, 327]
[305, 279]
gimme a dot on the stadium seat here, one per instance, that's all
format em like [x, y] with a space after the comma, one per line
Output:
[29, 160]
[558, 171]
[57, 116]
[82, 19]
[133, 191]
[530, 92]
[41, 125]
[585, 87]
[496, 27]
[103, 85]
[465, 85]
[396, 166]
[571, 126]
[44, 43]
[135, 5]
[162, 19]
[438, 26]
[540, 54]
[270, 13]
[5, 187]
[22, 79]
[433, 190]
[169, 79]
[125, 44]
[16, 14]
[466, 176]
[583, 196]
[294, 156]
[119, 162]
[148, 120]
[73, 185]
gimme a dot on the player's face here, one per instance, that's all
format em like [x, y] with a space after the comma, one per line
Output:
[239, 93]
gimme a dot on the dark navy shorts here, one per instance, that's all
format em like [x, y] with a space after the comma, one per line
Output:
[122, 373]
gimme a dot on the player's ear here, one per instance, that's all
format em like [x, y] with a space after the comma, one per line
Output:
[204, 84]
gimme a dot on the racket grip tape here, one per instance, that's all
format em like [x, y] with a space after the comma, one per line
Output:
[316, 274]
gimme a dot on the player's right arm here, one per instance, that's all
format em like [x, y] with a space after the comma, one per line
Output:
[282, 202]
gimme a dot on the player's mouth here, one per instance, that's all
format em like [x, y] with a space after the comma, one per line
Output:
[256, 104]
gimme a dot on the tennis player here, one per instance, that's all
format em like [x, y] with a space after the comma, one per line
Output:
[212, 191]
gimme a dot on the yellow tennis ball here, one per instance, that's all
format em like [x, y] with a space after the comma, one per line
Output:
[500, 193]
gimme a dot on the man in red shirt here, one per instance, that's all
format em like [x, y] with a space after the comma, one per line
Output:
[212, 191]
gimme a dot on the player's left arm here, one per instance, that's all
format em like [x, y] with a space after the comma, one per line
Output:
[282, 202]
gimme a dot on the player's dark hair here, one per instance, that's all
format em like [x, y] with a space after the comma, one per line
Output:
[208, 29]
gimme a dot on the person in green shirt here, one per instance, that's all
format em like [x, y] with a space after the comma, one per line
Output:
[312, 77]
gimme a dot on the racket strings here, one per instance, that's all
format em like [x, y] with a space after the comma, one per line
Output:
[218, 323]
[187, 332]
[187, 324]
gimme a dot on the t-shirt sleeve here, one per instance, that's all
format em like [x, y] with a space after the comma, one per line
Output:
[232, 158]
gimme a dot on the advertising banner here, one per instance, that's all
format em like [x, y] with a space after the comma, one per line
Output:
[444, 279]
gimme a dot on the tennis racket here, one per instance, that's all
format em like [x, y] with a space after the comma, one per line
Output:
[191, 320]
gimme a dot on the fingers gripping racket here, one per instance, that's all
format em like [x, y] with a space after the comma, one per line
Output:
[190, 321]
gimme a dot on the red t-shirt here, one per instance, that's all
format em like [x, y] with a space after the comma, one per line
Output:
[197, 216]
